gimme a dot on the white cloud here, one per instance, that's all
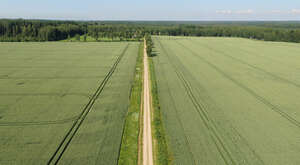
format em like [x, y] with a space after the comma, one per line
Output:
[295, 11]
[224, 12]
[249, 11]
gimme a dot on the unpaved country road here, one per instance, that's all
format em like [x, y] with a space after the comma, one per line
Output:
[147, 135]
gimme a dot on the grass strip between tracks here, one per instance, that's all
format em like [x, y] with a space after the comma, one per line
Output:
[130, 140]
[162, 155]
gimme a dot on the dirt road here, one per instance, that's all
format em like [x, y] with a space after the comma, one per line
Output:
[147, 135]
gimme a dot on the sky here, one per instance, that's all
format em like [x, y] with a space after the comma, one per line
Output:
[151, 10]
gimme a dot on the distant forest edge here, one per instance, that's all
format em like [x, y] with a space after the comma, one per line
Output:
[19, 30]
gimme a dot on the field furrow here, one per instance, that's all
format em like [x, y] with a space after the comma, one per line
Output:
[53, 94]
[247, 113]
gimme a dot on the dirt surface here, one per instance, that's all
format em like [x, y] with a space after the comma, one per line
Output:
[147, 135]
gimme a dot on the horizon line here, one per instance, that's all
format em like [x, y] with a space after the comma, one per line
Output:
[158, 20]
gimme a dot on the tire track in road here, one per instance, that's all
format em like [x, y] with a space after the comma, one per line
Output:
[147, 132]
[57, 155]
[220, 145]
[251, 92]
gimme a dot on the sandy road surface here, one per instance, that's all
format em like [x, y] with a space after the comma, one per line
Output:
[147, 135]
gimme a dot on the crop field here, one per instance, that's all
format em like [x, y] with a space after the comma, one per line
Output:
[229, 100]
[64, 102]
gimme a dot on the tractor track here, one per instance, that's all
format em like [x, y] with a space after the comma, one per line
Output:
[255, 67]
[47, 94]
[220, 146]
[50, 122]
[251, 92]
[63, 121]
[219, 141]
[187, 142]
[57, 155]
[50, 78]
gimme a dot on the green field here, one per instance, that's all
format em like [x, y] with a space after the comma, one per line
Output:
[229, 100]
[131, 134]
[64, 102]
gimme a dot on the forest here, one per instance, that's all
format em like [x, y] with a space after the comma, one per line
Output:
[19, 30]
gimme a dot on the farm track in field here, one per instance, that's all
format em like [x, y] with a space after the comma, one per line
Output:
[76, 125]
[63, 121]
[211, 127]
[187, 142]
[147, 128]
[253, 66]
[50, 122]
[51, 67]
[251, 92]
[65, 77]
[260, 55]
[46, 94]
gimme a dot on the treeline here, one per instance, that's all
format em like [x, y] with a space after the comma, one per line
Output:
[45, 30]
[23, 30]
[42, 30]
[252, 32]
[118, 31]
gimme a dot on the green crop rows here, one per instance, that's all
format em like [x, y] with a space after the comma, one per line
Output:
[216, 101]
[228, 100]
[64, 102]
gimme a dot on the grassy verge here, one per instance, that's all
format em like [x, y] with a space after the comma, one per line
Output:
[161, 151]
[130, 140]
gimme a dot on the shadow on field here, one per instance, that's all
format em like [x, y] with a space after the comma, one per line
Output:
[154, 53]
